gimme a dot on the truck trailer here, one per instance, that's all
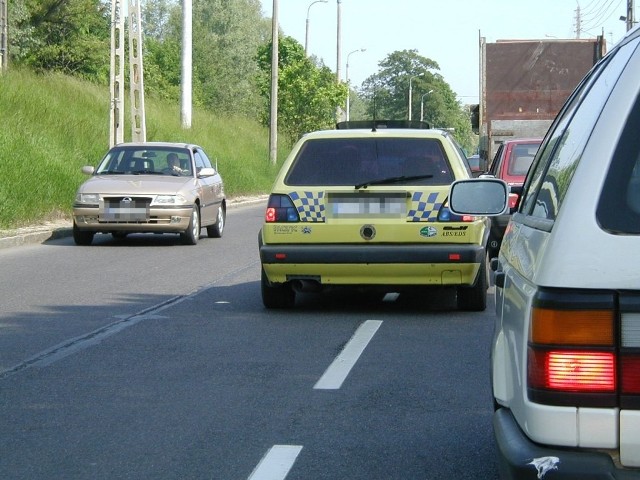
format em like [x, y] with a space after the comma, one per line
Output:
[523, 84]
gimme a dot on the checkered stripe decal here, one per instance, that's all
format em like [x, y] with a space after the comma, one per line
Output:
[310, 205]
[425, 206]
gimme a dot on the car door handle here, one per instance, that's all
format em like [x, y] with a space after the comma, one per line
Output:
[498, 279]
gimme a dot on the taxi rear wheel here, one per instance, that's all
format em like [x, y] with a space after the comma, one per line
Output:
[280, 296]
[474, 298]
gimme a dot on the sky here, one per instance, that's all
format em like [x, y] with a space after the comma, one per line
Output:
[445, 31]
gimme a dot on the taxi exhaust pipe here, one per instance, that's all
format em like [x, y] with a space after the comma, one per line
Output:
[305, 285]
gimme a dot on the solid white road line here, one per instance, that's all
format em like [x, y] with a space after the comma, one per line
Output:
[337, 372]
[276, 463]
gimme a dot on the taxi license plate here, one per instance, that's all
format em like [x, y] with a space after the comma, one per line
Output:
[378, 205]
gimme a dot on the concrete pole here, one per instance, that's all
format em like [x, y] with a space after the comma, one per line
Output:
[273, 124]
[4, 43]
[116, 75]
[136, 74]
[186, 65]
[338, 41]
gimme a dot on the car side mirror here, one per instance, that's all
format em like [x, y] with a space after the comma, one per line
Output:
[88, 170]
[479, 196]
[206, 172]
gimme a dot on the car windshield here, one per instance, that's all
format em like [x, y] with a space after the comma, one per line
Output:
[138, 160]
[370, 161]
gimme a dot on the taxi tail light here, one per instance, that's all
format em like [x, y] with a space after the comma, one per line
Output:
[280, 208]
[445, 215]
[572, 357]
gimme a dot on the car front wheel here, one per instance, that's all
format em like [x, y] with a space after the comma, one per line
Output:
[191, 235]
[82, 237]
[280, 296]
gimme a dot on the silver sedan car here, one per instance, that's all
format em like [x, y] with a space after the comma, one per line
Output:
[150, 187]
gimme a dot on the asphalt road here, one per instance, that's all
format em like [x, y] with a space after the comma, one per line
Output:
[150, 359]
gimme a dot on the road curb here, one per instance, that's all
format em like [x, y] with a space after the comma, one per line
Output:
[44, 233]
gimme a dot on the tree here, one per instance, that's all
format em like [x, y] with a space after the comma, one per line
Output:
[70, 36]
[226, 37]
[308, 94]
[387, 94]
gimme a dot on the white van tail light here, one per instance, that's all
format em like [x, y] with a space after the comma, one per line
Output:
[573, 371]
[584, 348]
[573, 354]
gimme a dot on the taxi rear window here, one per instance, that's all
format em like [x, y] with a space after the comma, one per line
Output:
[352, 161]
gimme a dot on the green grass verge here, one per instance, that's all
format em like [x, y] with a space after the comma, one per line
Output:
[52, 125]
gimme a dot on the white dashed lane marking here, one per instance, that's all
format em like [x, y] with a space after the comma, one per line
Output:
[338, 370]
[276, 463]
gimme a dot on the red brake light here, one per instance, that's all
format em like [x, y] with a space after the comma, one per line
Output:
[513, 200]
[574, 371]
[270, 215]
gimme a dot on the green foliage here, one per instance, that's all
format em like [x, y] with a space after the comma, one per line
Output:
[387, 95]
[308, 94]
[68, 36]
[47, 138]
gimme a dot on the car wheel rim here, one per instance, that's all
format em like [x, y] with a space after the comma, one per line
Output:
[220, 220]
[195, 223]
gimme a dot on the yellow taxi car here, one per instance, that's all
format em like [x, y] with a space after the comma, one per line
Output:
[365, 205]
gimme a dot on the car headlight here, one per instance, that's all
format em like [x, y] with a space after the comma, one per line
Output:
[169, 200]
[91, 198]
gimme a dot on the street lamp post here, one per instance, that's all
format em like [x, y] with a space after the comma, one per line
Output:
[347, 78]
[422, 104]
[306, 34]
[410, 92]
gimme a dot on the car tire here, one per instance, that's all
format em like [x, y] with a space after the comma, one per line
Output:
[82, 237]
[216, 230]
[474, 298]
[191, 235]
[281, 296]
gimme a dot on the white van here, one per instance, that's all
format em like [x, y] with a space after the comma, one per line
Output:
[566, 347]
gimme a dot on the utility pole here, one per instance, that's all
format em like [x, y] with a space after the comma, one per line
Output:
[138, 121]
[338, 37]
[273, 122]
[116, 77]
[186, 65]
[339, 111]
[4, 50]
[630, 14]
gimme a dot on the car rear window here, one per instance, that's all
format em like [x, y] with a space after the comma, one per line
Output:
[550, 177]
[521, 158]
[619, 205]
[352, 161]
